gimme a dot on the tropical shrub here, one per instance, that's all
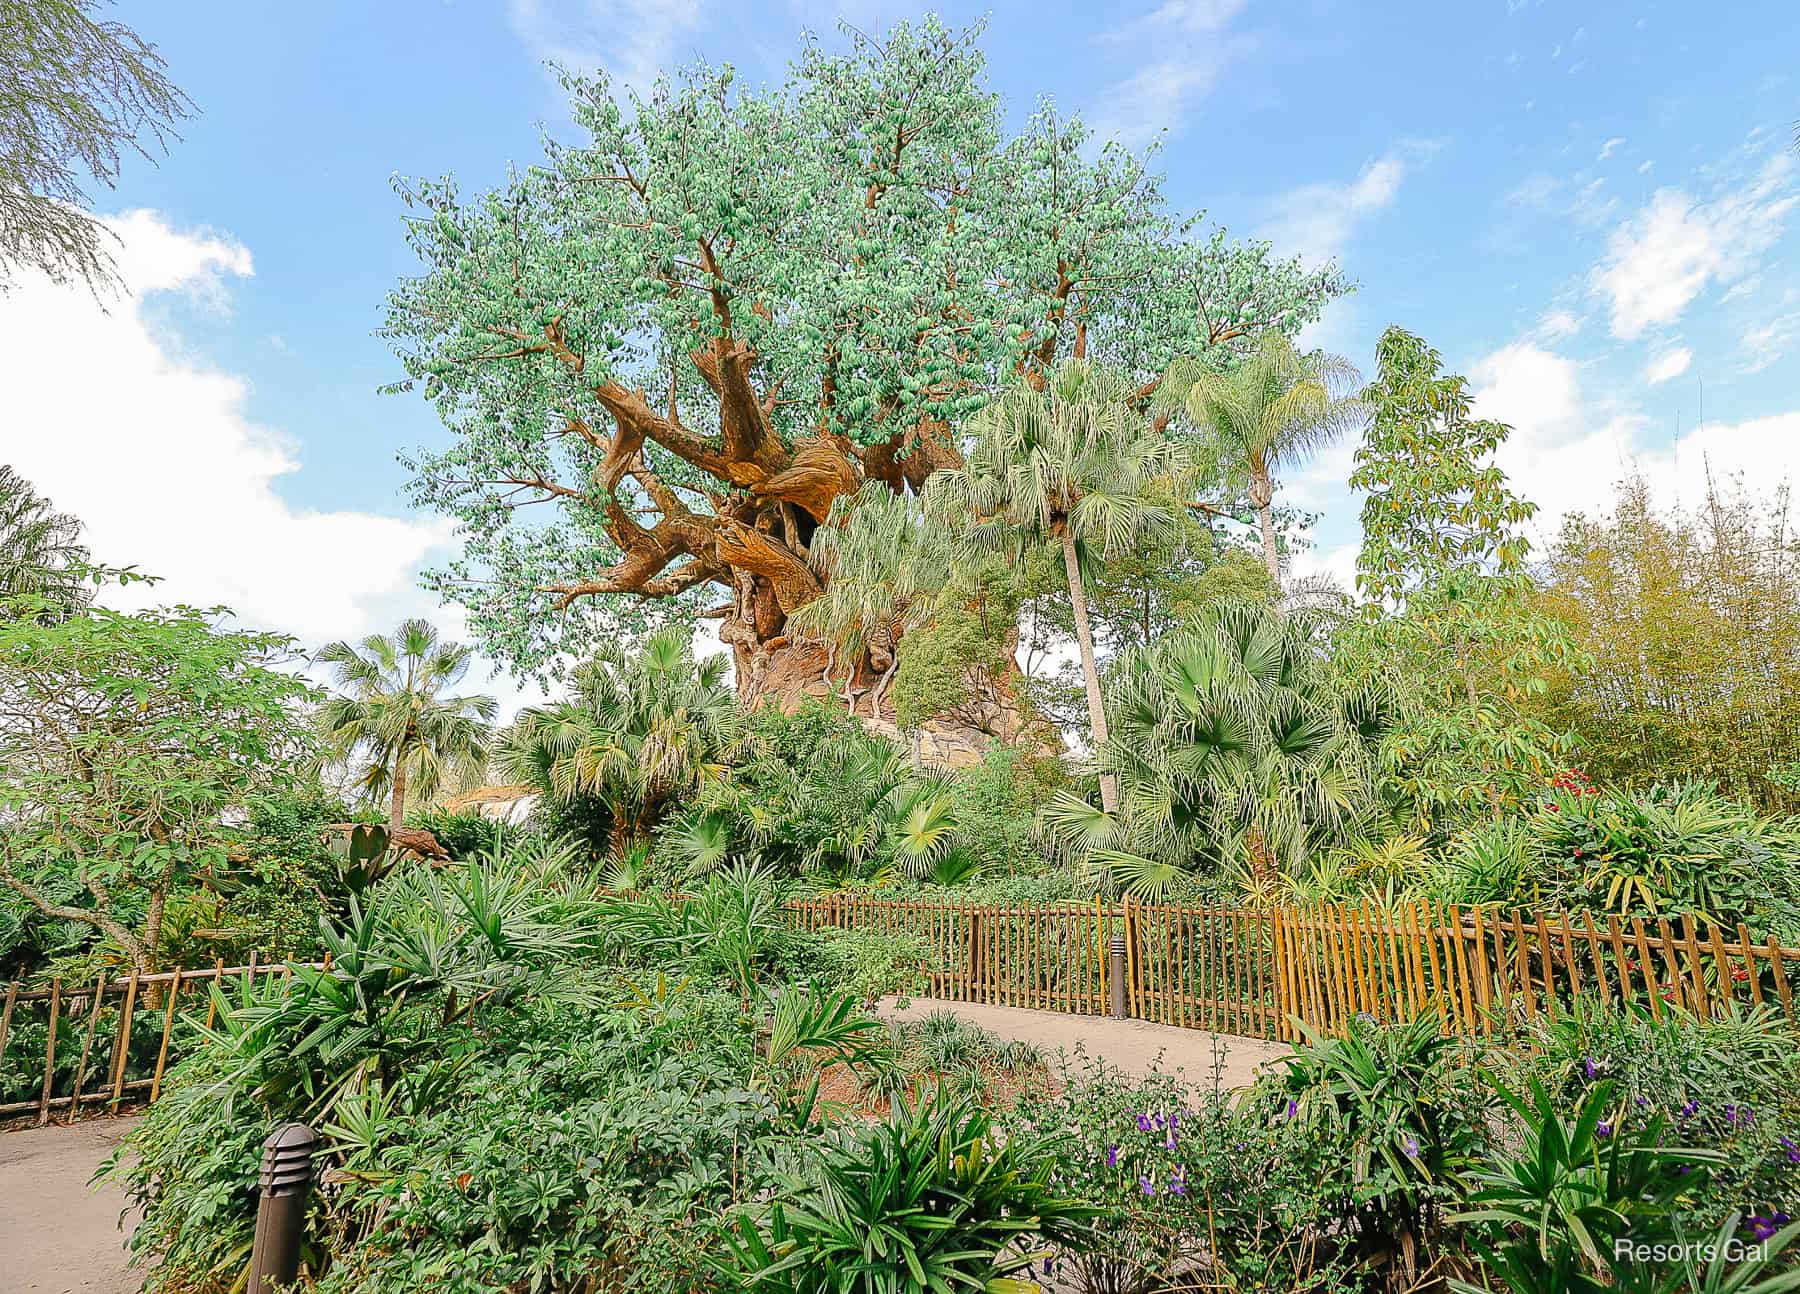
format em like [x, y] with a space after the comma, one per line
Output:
[1403, 1102]
[463, 834]
[1195, 1189]
[642, 729]
[932, 1198]
[1236, 752]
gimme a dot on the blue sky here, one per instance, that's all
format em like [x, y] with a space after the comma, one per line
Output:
[1591, 209]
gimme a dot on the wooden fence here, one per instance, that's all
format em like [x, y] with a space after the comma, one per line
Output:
[102, 1043]
[1246, 971]
[1252, 971]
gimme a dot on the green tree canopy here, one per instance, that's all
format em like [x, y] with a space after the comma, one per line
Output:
[667, 349]
[123, 739]
[1259, 415]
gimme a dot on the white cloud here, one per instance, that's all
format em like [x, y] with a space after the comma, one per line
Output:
[1568, 444]
[1317, 220]
[1193, 48]
[1668, 365]
[163, 463]
[1661, 259]
[1610, 147]
[633, 40]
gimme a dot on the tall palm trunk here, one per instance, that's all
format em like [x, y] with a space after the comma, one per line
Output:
[397, 808]
[1090, 670]
[1262, 494]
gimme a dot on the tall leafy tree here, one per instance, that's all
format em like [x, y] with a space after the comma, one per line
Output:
[41, 555]
[123, 740]
[80, 93]
[668, 349]
[393, 715]
[1261, 414]
[644, 727]
[1070, 463]
[1437, 501]
[1465, 641]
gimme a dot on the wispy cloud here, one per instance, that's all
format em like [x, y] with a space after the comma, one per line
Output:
[1192, 44]
[1610, 147]
[1668, 365]
[632, 40]
[1317, 220]
[1663, 257]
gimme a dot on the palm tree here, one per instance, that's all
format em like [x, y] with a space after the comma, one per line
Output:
[1074, 464]
[1233, 745]
[393, 712]
[41, 556]
[1268, 413]
[642, 728]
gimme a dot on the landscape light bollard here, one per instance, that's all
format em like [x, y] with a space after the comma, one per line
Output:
[1118, 977]
[281, 1211]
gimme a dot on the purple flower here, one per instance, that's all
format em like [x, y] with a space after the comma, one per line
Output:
[1049, 1266]
[1764, 1227]
[1169, 1144]
[1591, 1068]
[1143, 1123]
[1640, 1101]
[1688, 1111]
[1789, 1149]
[1293, 1108]
[1177, 1185]
[1739, 1116]
[1147, 1186]
[1603, 1130]
[1112, 1156]
[1411, 1146]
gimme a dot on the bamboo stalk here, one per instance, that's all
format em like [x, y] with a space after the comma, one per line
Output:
[162, 1051]
[1484, 990]
[87, 1048]
[50, 1050]
[122, 1042]
[1522, 957]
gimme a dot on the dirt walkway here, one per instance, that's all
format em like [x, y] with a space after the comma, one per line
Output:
[1134, 1046]
[58, 1234]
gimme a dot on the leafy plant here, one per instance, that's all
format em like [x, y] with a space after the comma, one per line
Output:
[928, 1200]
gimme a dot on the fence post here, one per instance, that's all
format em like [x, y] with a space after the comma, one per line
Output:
[281, 1211]
[1117, 978]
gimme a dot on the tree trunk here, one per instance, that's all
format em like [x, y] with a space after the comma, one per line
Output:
[1262, 494]
[1090, 669]
[397, 809]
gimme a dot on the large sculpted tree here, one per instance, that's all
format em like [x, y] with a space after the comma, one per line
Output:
[666, 350]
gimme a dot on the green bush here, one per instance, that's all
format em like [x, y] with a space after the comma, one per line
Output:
[865, 963]
[463, 835]
[1194, 1189]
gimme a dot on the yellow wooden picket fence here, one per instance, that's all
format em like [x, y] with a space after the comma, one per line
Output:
[1254, 970]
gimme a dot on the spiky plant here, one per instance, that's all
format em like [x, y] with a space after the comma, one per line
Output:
[1233, 747]
[393, 714]
[41, 556]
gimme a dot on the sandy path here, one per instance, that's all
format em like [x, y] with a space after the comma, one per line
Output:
[1134, 1046]
[57, 1233]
